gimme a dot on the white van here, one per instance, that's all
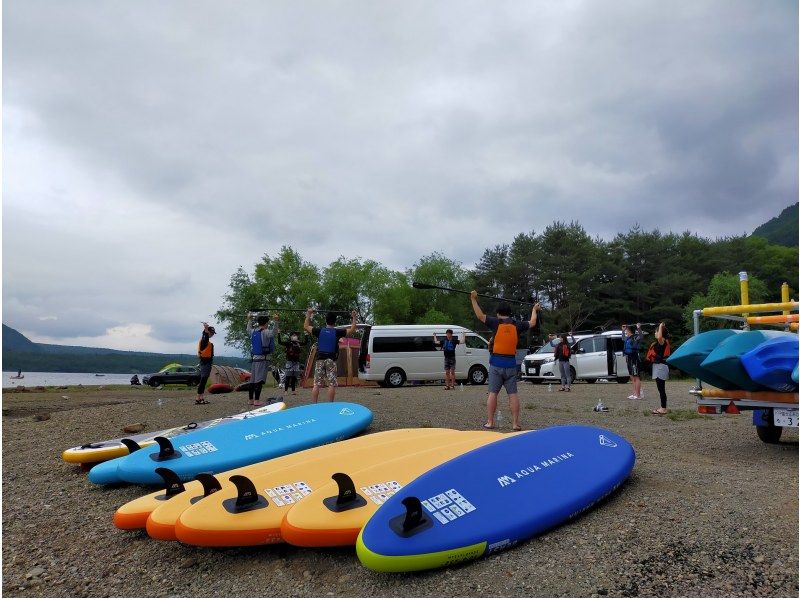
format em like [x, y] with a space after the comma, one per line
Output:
[392, 355]
[593, 356]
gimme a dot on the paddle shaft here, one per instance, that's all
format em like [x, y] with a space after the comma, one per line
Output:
[425, 286]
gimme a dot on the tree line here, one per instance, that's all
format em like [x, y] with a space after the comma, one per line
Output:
[583, 283]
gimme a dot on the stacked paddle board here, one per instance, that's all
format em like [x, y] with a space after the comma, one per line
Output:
[418, 498]
[236, 444]
[95, 452]
[753, 361]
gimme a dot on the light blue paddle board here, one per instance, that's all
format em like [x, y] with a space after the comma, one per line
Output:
[238, 443]
[493, 497]
[688, 357]
[771, 363]
[725, 362]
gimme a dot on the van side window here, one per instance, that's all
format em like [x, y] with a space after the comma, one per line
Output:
[617, 343]
[586, 345]
[473, 341]
[402, 344]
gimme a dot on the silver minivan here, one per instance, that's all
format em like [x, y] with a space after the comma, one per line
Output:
[594, 356]
[394, 354]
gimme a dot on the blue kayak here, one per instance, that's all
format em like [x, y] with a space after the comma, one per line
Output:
[236, 444]
[725, 360]
[771, 363]
[493, 497]
[688, 357]
[794, 374]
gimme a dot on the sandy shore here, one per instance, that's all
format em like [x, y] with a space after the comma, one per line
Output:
[708, 510]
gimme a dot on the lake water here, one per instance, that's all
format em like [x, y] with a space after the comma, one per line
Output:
[63, 379]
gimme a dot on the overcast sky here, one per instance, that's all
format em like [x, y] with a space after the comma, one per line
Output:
[150, 148]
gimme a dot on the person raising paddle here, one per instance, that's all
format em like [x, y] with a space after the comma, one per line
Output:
[503, 357]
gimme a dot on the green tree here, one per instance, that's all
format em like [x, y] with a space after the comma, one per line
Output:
[724, 289]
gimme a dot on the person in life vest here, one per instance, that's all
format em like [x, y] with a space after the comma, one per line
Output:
[262, 346]
[327, 351]
[657, 354]
[633, 341]
[205, 351]
[562, 354]
[448, 344]
[292, 367]
[503, 357]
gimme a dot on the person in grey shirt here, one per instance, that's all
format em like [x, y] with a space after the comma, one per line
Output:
[262, 341]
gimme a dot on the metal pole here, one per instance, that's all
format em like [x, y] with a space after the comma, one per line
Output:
[744, 289]
[696, 320]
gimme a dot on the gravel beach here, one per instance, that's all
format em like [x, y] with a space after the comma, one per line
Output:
[709, 510]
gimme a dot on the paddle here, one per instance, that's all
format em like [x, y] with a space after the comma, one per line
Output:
[425, 286]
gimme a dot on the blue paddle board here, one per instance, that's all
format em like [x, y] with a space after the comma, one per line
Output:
[493, 497]
[237, 444]
[725, 362]
[771, 363]
[795, 374]
[688, 357]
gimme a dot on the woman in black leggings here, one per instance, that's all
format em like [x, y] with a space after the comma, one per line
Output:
[205, 351]
[660, 367]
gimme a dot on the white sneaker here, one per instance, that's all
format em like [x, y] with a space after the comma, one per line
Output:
[632, 396]
[635, 398]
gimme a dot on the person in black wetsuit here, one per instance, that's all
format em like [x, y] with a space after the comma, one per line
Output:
[292, 368]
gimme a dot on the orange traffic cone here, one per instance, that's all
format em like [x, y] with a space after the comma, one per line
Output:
[733, 409]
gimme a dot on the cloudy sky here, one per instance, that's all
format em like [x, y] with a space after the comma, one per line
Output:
[150, 148]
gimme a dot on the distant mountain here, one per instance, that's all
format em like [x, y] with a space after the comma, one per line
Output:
[781, 230]
[19, 352]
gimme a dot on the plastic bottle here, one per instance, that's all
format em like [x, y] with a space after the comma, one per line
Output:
[160, 402]
[498, 419]
[461, 387]
[550, 387]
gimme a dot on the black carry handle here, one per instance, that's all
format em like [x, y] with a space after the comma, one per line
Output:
[425, 286]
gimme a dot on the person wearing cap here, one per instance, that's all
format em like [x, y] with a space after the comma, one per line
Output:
[205, 351]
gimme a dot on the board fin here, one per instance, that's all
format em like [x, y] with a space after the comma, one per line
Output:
[98, 444]
[247, 498]
[347, 498]
[131, 445]
[209, 482]
[165, 450]
[171, 481]
[414, 520]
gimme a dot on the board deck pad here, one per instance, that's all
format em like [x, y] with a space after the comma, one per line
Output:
[313, 523]
[215, 521]
[725, 360]
[494, 497]
[135, 514]
[95, 452]
[239, 443]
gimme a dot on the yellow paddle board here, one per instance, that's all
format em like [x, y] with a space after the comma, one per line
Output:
[134, 514]
[251, 513]
[317, 522]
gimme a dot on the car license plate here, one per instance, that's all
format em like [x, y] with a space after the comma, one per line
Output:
[785, 418]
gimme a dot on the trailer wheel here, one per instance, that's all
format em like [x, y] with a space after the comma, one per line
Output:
[769, 434]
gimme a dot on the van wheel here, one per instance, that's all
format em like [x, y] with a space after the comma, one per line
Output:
[477, 375]
[395, 378]
[590, 380]
[624, 380]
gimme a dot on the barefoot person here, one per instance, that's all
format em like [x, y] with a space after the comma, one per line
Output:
[503, 358]
[262, 345]
[448, 344]
[205, 351]
[327, 351]
[658, 353]
[633, 341]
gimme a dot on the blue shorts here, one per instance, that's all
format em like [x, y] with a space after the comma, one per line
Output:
[500, 377]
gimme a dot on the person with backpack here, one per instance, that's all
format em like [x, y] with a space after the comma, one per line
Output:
[292, 369]
[262, 346]
[633, 341]
[448, 344]
[562, 354]
[327, 351]
[503, 357]
[657, 354]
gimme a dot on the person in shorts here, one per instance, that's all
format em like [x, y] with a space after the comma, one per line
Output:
[327, 351]
[448, 345]
[205, 352]
[262, 345]
[292, 368]
[503, 357]
[633, 341]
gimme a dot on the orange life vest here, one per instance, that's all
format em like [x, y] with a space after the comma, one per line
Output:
[206, 353]
[505, 340]
[651, 352]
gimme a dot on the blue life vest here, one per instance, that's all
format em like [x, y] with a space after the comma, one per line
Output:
[328, 343]
[258, 345]
[448, 345]
[631, 346]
